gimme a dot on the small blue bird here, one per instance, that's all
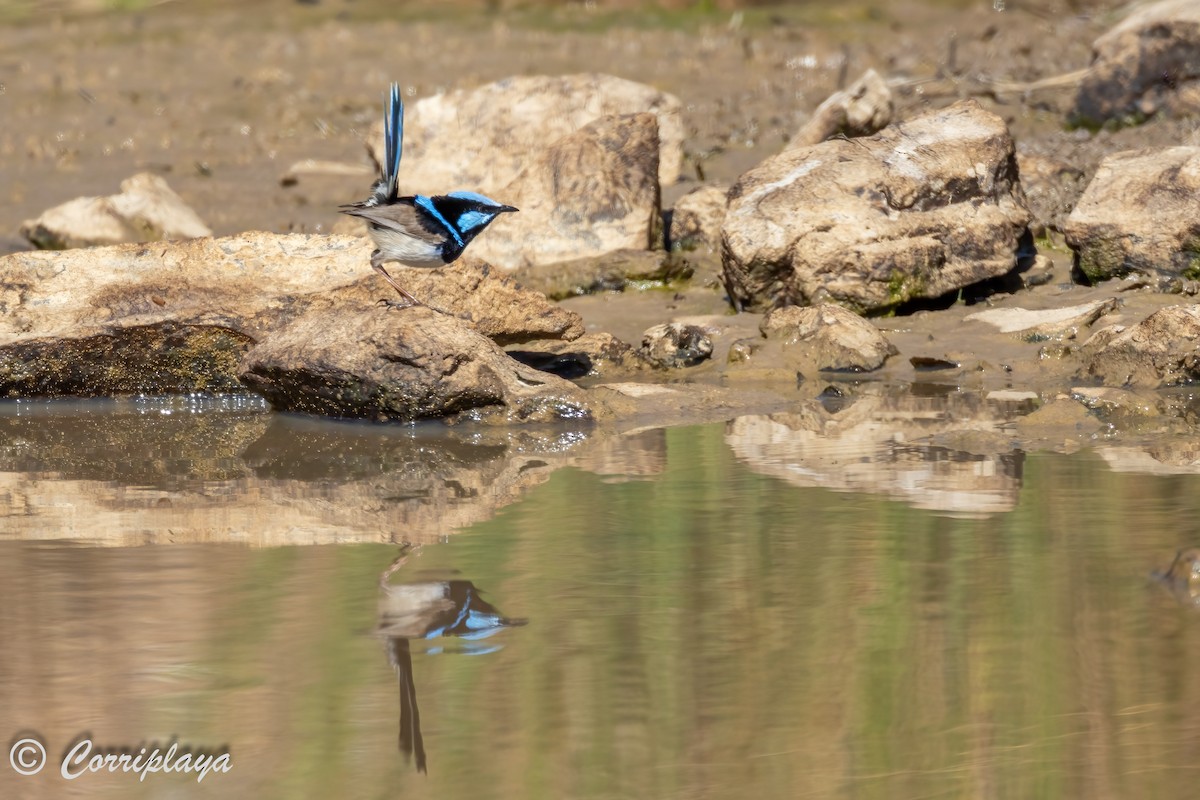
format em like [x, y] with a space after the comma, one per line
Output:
[417, 231]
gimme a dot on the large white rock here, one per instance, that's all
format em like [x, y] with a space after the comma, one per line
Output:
[479, 139]
[592, 192]
[923, 208]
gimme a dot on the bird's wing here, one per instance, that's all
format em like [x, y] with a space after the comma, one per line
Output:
[401, 217]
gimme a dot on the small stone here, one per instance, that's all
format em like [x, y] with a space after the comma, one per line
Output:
[676, 345]
[742, 350]
[827, 337]
[697, 217]
[860, 110]
[1053, 323]
[1161, 350]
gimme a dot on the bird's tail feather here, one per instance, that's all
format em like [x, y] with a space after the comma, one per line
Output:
[393, 135]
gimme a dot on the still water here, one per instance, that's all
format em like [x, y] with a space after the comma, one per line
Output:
[894, 605]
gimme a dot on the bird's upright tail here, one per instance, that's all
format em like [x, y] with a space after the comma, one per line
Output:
[393, 140]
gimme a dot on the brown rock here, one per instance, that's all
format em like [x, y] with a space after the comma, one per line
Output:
[146, 210]
[919, 210]
[1052, 189]
[860, 110]
[697, 218]
[828, 337]
[1161, 350]
[593, 354]
[178, 316]
[1148, 63]
[405, 365]
[1138, 215]
[676, 344]
[480, 139]
[1052, 323]
[590, 193]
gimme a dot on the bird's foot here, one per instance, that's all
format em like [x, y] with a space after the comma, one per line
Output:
[398, 304]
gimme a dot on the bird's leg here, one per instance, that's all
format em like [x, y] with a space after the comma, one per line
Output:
[377, 265]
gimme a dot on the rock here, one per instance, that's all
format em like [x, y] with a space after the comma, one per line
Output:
[587, 194]
[1060, 420]
[1139, 215]
[860, 110]
[1040, 272]
[146, 210]
[1120, 405]
[594, 354]
[1148, 63]
[919, 210]
[828, 337]
[675, 344]
[610, 272]
[1050, 323]
[1161, 350]
[400, 365]
[178, 316]
[697, 218]
[480, 139]
[1052, 189]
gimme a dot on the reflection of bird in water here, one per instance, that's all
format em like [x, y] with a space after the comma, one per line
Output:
[428, 610]
[1182, 578]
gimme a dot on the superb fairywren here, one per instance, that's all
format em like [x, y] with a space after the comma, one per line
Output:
[417, 231]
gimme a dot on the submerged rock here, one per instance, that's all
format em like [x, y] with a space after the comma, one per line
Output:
[589, 193]
[1148, 63]
[1161, 350]
[481, 138]
[178, 316]
[404, 365]
[146, 210]
[921, 209]
[1139, 215]
[827, 337]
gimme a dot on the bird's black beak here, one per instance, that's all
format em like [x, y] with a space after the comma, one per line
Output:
[507, 208]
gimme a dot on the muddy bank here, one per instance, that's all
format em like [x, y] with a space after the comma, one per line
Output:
[951, 311]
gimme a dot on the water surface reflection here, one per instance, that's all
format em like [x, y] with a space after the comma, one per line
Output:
[704, 623]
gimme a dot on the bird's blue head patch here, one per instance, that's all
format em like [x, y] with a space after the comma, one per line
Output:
[477, 211]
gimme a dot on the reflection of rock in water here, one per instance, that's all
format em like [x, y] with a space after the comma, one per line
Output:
[943, 454]
[429, 610]
[173, 470]
[1179, 456]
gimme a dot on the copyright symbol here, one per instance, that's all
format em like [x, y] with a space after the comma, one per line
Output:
[27, 756]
